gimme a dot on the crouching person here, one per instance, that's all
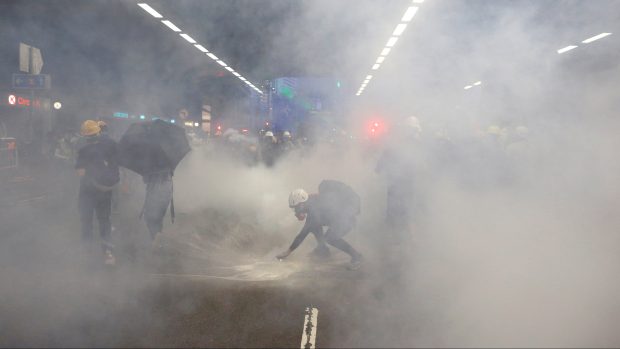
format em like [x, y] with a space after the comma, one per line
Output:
[335, 207]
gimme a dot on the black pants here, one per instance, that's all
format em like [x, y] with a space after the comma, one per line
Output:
[337, 230]
[92, 201]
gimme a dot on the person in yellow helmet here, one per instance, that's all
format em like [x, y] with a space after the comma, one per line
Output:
[103, 127]
[97, 166]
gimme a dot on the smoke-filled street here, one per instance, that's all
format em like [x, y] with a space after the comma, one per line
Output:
[309, 173]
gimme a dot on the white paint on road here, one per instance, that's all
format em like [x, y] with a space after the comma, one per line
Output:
[308, 334]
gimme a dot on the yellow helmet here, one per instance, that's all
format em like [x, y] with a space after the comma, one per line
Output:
[101, 123]
[494, 130]
[90, 128]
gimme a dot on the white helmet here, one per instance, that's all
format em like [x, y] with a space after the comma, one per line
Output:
[286, 134]
[522, 131]
[296, 197]
[268, 134]
[413, 122]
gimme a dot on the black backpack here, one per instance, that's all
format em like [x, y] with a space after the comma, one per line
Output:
[336, 196]
[106, 169]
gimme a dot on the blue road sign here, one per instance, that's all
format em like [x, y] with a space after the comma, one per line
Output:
[29, 81]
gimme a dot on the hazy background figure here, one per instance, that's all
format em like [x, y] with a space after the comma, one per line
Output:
[268, 146]
[403, 166]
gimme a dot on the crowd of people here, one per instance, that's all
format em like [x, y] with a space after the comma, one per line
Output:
[408, 159]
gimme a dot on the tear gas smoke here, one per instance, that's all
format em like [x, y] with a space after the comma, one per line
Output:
[514, 240]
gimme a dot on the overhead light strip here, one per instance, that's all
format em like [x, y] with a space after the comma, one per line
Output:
[150, 10]
[398, 31]
[146, 7]
[567, 48]
[477, 83]
[201, 48]
[586, 41]
[171, 25]
[594, 38]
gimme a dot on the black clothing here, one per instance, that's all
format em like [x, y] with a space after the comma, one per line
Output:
[402, 167]
[99, 157]
[92, 201]
[99, 160]
[321, 211]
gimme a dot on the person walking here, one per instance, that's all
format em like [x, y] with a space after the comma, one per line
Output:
[97, 166]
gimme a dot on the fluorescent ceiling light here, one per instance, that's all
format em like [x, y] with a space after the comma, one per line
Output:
[242, 78]
[368, 77]
[594, 38]
[385, 51]
[477, 83]
[221, 63]
[380, 59]
[201, 48]
[468, 87]
[567, 48]
[376, 66]
[150, 10]
[391, 42]
[408, 16]
[230, 69]
[418, 1]
[188, 38]
[399, 29]
[236, 74]
[365, 82]
[171, 25]
[212, 56]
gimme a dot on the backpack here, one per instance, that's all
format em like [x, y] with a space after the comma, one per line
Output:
[336, 196]
[107, 174]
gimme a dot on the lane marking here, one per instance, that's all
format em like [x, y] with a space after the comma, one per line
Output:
[308, 334]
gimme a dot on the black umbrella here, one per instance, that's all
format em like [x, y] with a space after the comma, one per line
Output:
[152, 146]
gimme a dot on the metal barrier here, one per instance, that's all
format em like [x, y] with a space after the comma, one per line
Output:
[8, 153]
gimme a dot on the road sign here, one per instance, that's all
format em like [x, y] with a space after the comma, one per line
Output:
[29, 81]
[36, 60]
[30, 59]
[24, 57]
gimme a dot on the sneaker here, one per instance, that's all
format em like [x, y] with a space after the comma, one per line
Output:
[109, 258]
[156, 244]
[356, 263]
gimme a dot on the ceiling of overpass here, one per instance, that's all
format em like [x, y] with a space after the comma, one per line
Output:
[454, 43]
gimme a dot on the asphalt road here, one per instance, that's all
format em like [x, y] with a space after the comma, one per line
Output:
[51, 295]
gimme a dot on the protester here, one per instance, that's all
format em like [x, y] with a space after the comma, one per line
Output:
[335, 207]
[97, 166]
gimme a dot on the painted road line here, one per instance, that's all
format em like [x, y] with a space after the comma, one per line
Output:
[308, 334]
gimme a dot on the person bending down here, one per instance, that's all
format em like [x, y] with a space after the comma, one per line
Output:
[335, 207]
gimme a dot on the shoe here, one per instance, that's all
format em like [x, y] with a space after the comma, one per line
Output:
[109, 258]
[156, 244]
[356, 263]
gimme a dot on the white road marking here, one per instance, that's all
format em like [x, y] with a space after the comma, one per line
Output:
[308, 334]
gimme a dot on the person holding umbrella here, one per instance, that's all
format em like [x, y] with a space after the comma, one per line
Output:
[97, 166]
[153, 150]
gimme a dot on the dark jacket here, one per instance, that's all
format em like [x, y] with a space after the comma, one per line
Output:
[99, 159]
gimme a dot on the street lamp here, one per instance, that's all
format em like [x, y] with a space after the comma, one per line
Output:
[57, 105]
